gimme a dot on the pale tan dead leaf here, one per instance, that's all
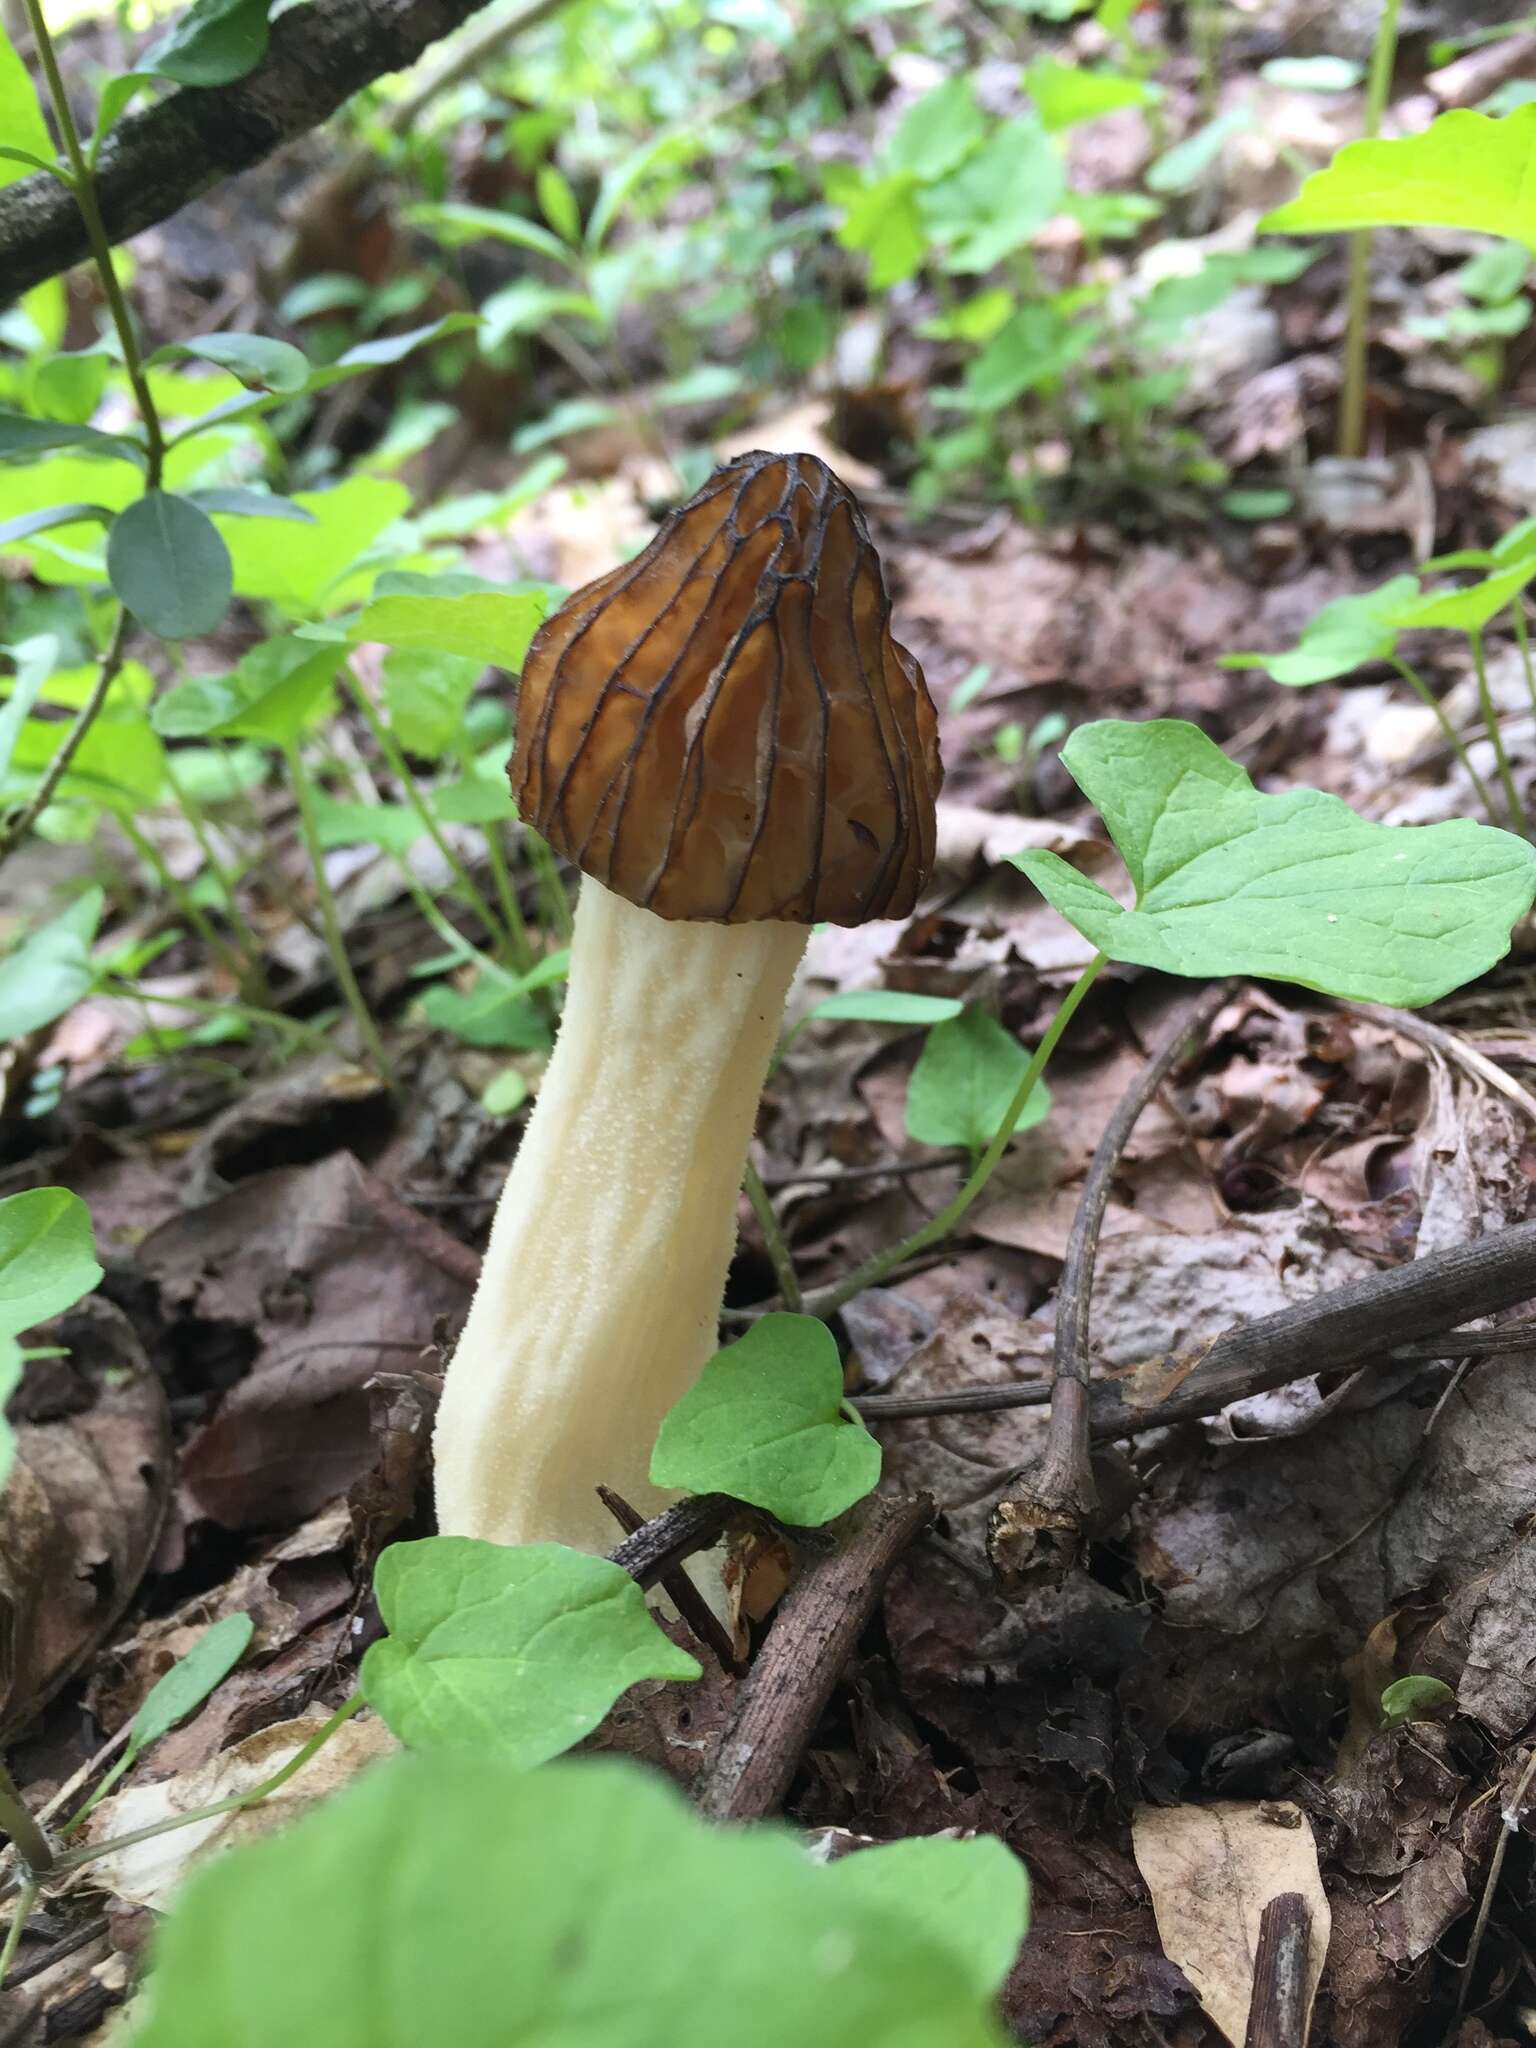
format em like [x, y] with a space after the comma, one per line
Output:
[1211, 1871]
[802, 430]
[149, 1872]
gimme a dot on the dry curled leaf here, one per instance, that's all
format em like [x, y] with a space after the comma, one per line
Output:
[724, 727]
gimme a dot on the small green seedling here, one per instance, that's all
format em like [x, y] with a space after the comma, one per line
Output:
[1415, 1699]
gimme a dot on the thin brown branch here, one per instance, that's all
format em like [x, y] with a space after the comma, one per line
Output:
[812, 1638]
[657, 1547]
[1041, 1526]
[679, 1588]
[154, 162]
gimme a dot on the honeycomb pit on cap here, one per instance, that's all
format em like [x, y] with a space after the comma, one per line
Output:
[725, 738]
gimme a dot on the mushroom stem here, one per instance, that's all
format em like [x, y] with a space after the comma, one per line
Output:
[599, 1299]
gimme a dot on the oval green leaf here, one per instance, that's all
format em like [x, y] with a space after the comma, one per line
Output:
[169, 566]
[47, 1257]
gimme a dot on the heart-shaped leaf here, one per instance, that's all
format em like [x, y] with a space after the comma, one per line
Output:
[966, 1075]
[448, 1899]
[1295, 887]
[1343, 636]
[765, 1422]
[507, 1654]
[1465, 170]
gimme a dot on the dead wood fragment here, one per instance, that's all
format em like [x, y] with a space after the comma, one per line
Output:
[678, 1587]
[1278, 2017]
[811, 1640]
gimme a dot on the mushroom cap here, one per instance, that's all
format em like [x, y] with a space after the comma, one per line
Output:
[724, 728]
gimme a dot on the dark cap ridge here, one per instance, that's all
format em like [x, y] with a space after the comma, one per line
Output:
[724, 727]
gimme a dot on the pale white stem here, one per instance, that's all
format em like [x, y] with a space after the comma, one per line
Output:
[599, 1300]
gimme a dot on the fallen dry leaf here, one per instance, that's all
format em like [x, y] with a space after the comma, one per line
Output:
[148, 1873]
[1211, 1871]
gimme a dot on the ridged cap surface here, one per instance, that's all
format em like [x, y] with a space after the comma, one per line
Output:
[724, 727]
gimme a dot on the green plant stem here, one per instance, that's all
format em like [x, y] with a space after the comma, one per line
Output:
[26, 1899]
[773, 1238]
[874, 1270]
[31, 1844]
[556, 903]
[330, 919]
[1523, 642]
[250, 945]
[81, 1814]
[83, 185]
[1491, 720]
[1453, 739]
[75, 1859]
[111, 663]
[389, 747]
[1351, 441]
[269, 1020]
[192, 911]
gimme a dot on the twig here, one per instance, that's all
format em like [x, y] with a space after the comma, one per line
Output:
[1451, 1046]
[885, 1169]
[659, 1546]
[1041, 1526]
[1277, 2016]
[421, 1233]
[1383, 1316]
[1511, 1817]
[679, 1588]
[813, 1635]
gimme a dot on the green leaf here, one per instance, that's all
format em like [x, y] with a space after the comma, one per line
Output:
[1183, 167]
[386, 349]
[213, 43]
[886, 1006]
[507, 1654]
[765, 1422]
[666, 151]
[456, 222]
[1343, 636]
[1293, 888]
[558, 202]
[974, 1902]
[524, 307]
[22, 438]
[425, 694]
[474, 800]
[1465, 170]
[966, 1076]
[270, 695]
[298, 570]
[254, 359]
[492, 626]
[29, 162]
[169, 565]
[1031, 349]
[1468, 610]
[190, 1680]
[21, 118]
[234, 501]
[998, 198]
[490, 1015]
[47, 1257]
[394, 827]
[937, 132]
[570, 416]
[115, 97]
[34, 661]
[26, 524]
[69, 386]
[1419, 1698]
[880, 217]
[578, 1906]
[119, 765]
[1256, 504]
[1065, 94]
[49, 972]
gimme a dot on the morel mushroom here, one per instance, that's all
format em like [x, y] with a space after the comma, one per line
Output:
[726, 740]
